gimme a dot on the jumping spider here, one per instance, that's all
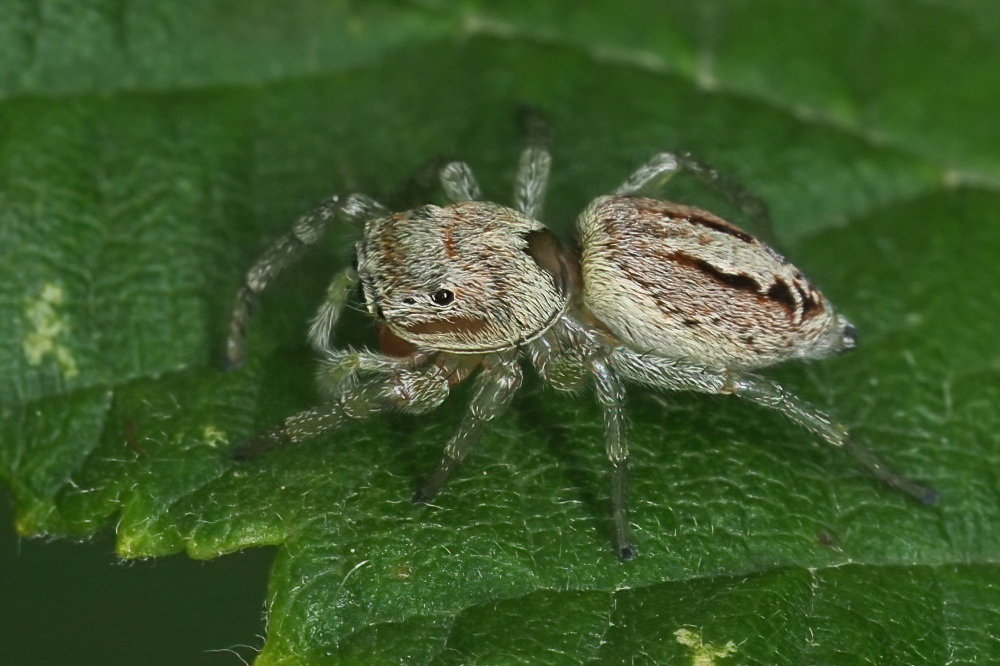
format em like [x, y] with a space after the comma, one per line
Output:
[663, 295]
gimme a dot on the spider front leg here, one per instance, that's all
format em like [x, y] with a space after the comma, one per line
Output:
[459, 183]
[385, 383]
[494, 387]
[611, 395]
[285, 251]
[532, 179]
[337, 295]
[534, 166]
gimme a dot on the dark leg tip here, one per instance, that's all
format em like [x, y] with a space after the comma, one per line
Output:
[255, 446]
[918, 491]
[233, 357]
[626, 553]
[421, 496]
[930, 497]
[534, 125]
[435, 483]
[243, 453]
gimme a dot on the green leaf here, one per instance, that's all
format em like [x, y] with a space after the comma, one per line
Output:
[149, 154]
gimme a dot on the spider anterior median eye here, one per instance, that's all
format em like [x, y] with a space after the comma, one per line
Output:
[442, 297]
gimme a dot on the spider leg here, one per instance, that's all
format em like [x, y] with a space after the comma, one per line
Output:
[534, 165]
[339, 369]
[771, 394]
[459, 183]
[566, 358]
[389, 383]
[532, 180]
[306, 232]
[674, 375]
[664, 373]
[494, 387]
[651, 175]
[663, 166]
[326, 317]
[611, 395]
[750, 205]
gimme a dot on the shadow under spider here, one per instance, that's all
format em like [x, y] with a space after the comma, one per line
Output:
[543, 429]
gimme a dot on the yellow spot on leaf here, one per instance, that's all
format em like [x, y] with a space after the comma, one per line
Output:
[213, 436]
[702, 653]
[48, 328]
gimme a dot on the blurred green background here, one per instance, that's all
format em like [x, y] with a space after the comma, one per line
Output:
[76, 603]
[149, 152]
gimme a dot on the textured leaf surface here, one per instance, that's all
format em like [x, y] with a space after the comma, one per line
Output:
[148, 154]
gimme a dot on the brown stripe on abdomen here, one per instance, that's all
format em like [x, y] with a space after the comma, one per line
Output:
[782, 295]
[810, 306]
[734, 280]
[718, 224]
[681, 213]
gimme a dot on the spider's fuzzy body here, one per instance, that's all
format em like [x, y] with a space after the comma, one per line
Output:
[661, 294]
[685, 284]
[477, 252]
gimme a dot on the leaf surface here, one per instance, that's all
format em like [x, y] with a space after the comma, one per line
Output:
[148, 155]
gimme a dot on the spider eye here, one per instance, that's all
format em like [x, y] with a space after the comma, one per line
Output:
[409, 300]
[442, 297]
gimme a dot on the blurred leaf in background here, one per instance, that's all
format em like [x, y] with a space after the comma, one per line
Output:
[148, 153]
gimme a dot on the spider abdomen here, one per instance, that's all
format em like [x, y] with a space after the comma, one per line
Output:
[683, 283]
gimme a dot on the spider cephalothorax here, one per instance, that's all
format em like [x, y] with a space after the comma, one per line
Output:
[458, 278]
[662, 295]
